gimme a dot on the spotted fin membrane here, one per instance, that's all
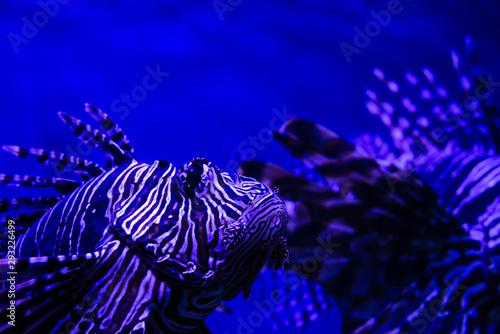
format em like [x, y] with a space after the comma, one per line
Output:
[456, 153]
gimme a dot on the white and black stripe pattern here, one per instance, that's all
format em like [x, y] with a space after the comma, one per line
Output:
[172, 242]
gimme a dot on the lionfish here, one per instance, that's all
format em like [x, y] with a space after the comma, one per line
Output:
[416, 223]
[134, 247]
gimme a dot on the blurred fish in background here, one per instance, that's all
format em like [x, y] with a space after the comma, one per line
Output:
[415, 221]
[216, 79]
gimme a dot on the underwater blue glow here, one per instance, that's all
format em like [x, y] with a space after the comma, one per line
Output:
[185, 81]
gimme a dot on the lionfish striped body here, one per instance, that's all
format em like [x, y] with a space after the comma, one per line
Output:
[136, 247]
[416, 221]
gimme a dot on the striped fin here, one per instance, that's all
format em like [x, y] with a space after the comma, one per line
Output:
[353, 180]
[27, 203]
[64, 186]
[355, 175]
[124, 295]
[280, 257]
[62, 162]
[14, 209]
[94, 138]
[112, 289]
[22, 222]
[34, 267]
[112, 130]
[50, 288]
[375, 227]
[324, 152]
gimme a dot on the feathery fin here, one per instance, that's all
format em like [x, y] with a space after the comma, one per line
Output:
[27, 203]
[64, 186]
[51, 288]
[22, 222]
[61, 161]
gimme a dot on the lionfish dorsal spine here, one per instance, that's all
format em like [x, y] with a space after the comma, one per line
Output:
[112, 130]
[94, 138]
[61, 161]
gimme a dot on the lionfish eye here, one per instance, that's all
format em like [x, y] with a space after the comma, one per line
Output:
[190, 176]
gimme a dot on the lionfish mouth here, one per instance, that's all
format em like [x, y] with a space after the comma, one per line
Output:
[252, 240]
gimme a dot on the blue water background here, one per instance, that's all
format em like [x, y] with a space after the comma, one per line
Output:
[226, 76]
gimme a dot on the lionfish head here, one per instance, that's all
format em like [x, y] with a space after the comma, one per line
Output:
[240, 221]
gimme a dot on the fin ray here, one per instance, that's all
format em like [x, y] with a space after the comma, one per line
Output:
[64, 186]
[27, 203]
[112, 130]
[94, 138]
[60, 161]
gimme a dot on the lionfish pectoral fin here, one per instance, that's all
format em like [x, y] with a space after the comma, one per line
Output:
[60, 161]
[280, 255]
[63, 186]
[50, 286]
[19, 222]
[21, 213]
[13, 205]
[108, 301]
[288, 300]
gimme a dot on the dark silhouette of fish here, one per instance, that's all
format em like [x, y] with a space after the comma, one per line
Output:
[416, 221]
[134, 247]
